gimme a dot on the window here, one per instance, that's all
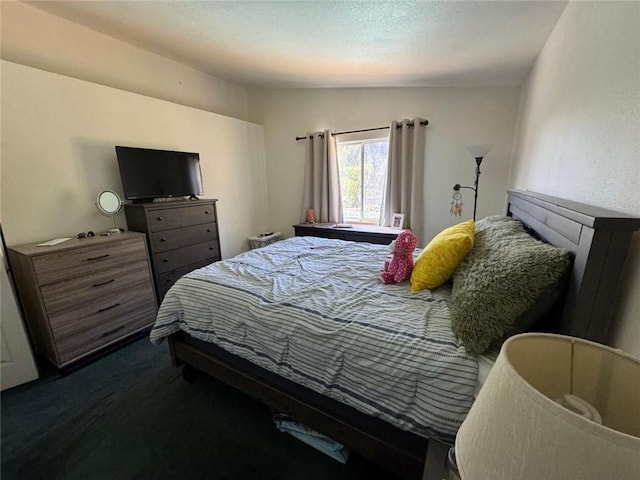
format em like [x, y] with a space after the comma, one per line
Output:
[363, 173]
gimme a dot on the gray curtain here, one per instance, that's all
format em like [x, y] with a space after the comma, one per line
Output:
[321, 179]
[404, 192]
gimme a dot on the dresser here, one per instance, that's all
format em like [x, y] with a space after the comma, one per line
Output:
[83, 295]
[182, 235]
[355, 233]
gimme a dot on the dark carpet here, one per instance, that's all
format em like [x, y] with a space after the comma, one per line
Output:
[130, 415]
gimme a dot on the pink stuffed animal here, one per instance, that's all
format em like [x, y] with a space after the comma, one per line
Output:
[399, 268]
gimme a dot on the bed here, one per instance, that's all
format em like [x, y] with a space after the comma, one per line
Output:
[302, 371]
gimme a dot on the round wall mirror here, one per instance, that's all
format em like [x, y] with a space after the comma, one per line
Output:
[109, 203]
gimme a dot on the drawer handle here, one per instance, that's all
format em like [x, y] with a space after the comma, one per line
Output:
[211, 248]
[169, 280]
[165, 260]
[98, 258]
[111, 332]
[100, 310]
[209, 230]
[163, 239]
[104, 283]
[206, 212]
[160, 219]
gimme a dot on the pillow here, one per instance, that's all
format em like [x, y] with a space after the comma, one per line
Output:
[497, 286]
[441, 257]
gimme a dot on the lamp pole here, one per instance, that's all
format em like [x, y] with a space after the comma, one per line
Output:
[475, 184]
[457, 186]
[478, 152]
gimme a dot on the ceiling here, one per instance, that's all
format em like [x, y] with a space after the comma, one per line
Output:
[332, 44]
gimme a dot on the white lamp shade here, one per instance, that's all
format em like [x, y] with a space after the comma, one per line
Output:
[516, 430]
[479, 151]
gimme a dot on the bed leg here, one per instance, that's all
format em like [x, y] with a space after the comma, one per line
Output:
[175, 361]
[190, 374]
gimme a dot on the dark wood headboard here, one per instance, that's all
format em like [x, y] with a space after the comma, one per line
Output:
[599, 240]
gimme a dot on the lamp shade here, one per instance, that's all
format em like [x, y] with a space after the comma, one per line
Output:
[479, 151]
[517, 430]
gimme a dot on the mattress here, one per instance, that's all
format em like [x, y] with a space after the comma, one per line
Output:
[314, 311]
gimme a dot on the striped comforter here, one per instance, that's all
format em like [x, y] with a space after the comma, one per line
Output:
[314, 311]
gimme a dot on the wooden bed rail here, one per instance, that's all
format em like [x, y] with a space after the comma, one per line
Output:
[401, 452]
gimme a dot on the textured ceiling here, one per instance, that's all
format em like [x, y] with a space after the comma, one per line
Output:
[332, 44]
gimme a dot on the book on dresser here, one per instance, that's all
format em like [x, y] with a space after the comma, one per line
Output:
[182, 235]
[84, 295]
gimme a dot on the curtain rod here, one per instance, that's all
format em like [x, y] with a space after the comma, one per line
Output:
[423, 123]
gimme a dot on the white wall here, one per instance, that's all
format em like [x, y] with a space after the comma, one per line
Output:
[58, 138]
[457, 117]
[579, 128]
[39, 39]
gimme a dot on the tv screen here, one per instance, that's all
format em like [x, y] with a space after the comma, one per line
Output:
[147, 174]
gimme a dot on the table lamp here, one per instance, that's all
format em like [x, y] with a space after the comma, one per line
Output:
[537, 414]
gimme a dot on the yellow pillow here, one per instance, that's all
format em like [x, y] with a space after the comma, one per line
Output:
[439, 260]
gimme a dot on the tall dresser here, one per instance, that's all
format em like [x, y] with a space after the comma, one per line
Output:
[83, 295]
[182, 236]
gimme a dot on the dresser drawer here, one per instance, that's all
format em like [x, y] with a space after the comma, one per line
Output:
[179, 257]
[166, 280]
[103, 327]
[182, 237]
[80, 261]
[95, 288]
[168, 218]
[83, 316]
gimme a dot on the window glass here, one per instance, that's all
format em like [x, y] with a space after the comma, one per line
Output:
[363, 171]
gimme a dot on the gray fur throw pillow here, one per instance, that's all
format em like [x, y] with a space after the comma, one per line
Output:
[500, 280]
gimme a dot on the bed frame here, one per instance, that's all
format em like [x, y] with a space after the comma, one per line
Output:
[597, 238]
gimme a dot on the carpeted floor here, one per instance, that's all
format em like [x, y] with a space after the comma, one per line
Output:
[130, 415]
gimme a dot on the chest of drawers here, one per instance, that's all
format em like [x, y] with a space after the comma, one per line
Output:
[182, 236]
[84, 294]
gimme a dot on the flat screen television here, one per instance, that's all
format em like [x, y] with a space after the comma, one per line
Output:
[147, 174]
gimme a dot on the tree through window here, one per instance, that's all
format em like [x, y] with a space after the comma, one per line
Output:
[363, 172]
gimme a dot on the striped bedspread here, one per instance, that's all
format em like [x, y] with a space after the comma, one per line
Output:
[314, 310]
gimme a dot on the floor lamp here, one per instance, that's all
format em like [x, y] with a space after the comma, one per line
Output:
[478, 152]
